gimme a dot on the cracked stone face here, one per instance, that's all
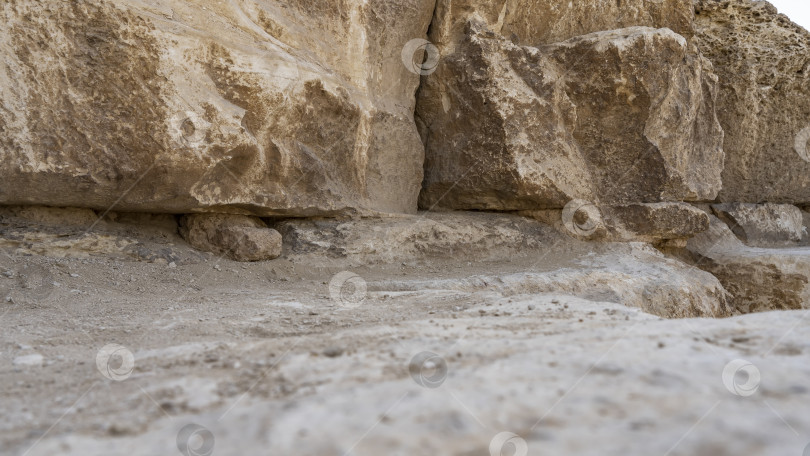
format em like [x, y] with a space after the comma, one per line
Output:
[273, 108]
[613, 117]
[239, 267]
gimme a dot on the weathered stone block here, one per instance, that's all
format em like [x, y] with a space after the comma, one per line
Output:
[238, 237]
[618, 117]
[758, 279]
[763, 62]
[293, 108]
[763, 225]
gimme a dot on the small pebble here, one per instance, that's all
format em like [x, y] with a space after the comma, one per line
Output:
[333, 352]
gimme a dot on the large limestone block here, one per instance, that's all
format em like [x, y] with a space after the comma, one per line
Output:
[459, 236]
[294, 108]
[763, 62]
[658, 222]
[663, 224]
[616, 117]
[763, 225]
[536, 22]
[759, 279]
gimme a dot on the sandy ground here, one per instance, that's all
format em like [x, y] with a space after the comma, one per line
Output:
[102, 354]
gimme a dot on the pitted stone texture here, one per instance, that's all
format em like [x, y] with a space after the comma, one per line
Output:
[238, 237]
[763, 62]
[763, 225]
[293, 108]
[618, 117]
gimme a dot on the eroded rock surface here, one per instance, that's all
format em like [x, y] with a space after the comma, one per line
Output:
[294, 108]
[288, 371]
[615, 117]
[465, 236]
[654, 223]
[762, 60]
[758, 279]
[543, 260]
[536, 22]
[238, 237]
[763, 225]
[595, 116]
[60, 233]
[658, 222]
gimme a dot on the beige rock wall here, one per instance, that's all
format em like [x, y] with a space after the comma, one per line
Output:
[612, 117]
[763, 62]
[536, 22]
[267, 108]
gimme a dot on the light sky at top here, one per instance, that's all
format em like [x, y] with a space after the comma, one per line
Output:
[797, 10]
